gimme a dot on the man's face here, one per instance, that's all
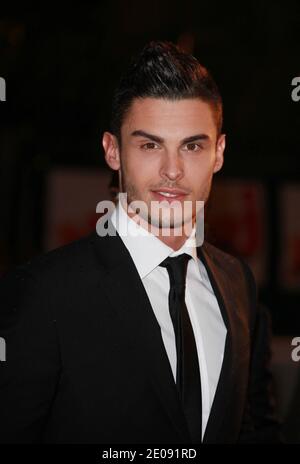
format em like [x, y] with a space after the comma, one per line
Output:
[169, 151]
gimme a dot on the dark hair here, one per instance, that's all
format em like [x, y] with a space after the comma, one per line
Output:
[162, 70]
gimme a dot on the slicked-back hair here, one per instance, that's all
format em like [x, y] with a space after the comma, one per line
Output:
[162, 70]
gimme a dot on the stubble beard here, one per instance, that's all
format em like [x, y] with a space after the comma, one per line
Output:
[159, 221]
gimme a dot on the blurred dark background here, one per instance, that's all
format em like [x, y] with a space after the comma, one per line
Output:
[61, 63]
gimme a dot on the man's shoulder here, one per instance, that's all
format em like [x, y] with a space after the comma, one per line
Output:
[60, 272]
[67, 259]
[221, 257]
[70, 255]
[233, 268]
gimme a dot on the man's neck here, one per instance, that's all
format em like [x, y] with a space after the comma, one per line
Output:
[172, 241]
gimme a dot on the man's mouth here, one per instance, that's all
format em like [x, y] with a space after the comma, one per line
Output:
[169, 194]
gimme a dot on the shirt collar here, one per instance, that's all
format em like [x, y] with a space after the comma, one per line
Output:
[146, 250]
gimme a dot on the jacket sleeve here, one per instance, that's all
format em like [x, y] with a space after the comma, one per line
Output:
[30, 372]
[260, 424]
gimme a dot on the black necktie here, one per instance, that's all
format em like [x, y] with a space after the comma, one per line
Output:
[187, 372]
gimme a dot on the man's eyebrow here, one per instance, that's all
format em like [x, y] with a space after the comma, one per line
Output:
[156, 138]
[193, 138]
[141, 133]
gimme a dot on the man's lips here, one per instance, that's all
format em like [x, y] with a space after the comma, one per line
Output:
[169, 194]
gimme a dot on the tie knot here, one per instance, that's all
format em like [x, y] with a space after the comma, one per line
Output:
[177, 267]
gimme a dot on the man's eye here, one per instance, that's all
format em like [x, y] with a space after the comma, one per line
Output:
[149, 146]
[193, 146]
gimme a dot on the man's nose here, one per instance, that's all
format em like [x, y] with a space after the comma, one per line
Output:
[172, 166]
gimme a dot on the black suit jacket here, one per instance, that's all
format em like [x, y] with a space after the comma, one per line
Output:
[85, 360]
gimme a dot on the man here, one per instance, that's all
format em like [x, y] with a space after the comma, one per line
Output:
[138, 335]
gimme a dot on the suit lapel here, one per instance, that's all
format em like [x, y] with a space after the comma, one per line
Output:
[220, 284]
[128, 298]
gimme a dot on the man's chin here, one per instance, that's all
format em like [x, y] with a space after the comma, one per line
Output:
[172, 227]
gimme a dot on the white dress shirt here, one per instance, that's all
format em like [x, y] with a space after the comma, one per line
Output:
[147, 252]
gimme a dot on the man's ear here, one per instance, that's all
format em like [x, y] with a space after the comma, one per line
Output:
[111, 150]
[220, 152]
